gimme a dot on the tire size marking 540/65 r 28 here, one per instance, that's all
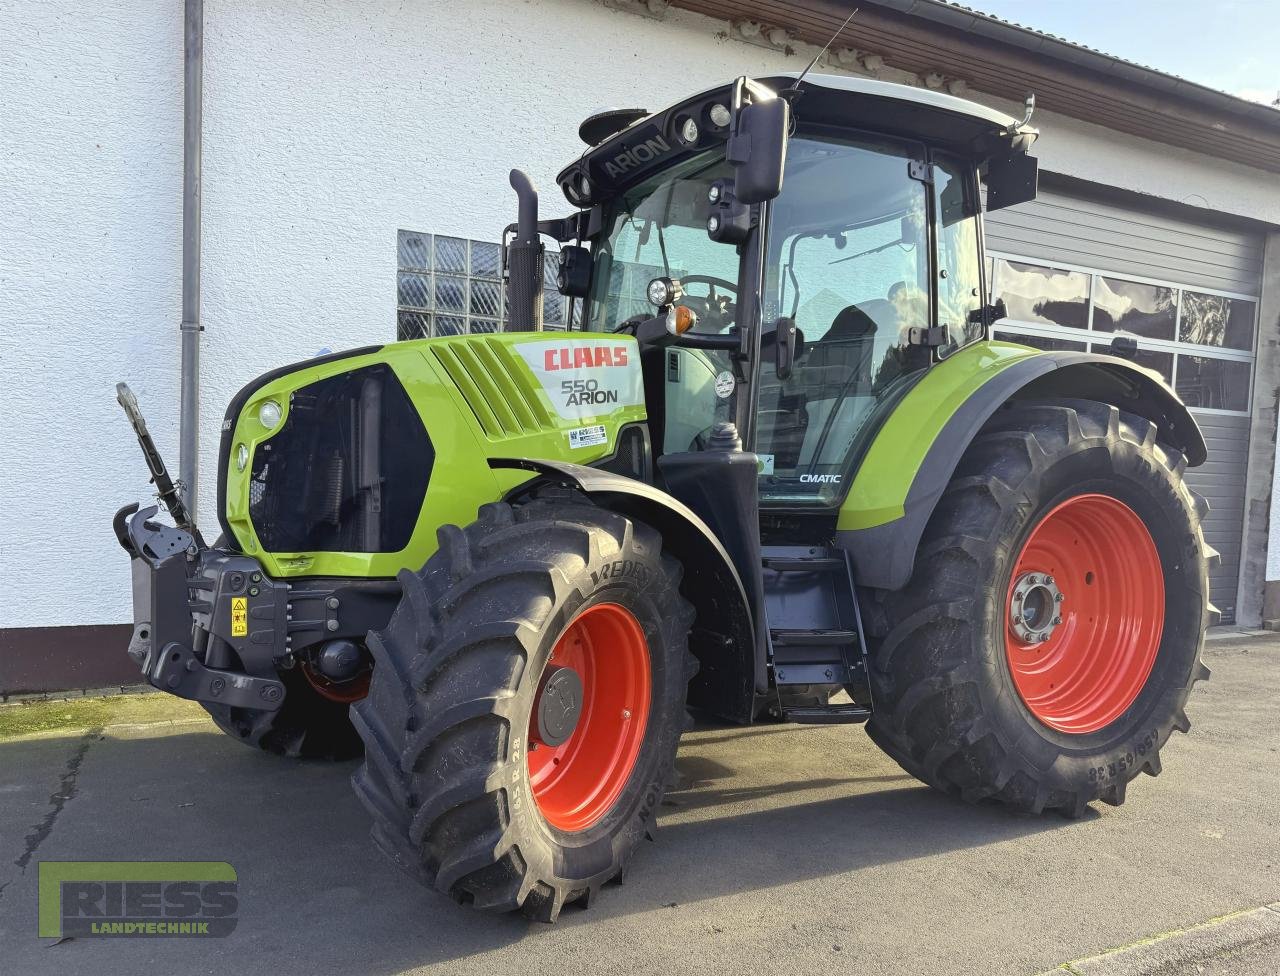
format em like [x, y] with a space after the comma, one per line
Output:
[1145, 745]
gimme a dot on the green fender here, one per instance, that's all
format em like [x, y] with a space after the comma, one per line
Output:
[913, 455]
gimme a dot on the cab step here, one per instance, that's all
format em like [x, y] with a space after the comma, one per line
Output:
[847, 714]
[815, 633]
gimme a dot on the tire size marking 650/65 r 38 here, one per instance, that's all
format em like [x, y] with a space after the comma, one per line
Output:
[1147, 744]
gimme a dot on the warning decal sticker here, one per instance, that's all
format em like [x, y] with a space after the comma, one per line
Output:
[586, 377]
[239, 616]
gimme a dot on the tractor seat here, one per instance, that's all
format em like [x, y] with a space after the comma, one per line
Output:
[850, 341]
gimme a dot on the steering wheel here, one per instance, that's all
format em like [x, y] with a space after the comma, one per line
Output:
[713, 309]
[709, 280]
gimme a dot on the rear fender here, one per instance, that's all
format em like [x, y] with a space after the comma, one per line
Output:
[724, 638]
[915, 453]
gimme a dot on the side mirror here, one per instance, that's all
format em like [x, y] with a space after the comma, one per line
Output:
[758, 141]
[1011, 180]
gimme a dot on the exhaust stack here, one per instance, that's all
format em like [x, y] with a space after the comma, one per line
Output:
[524, 261]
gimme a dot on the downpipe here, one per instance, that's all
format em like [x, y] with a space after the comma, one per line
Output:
[189, 394]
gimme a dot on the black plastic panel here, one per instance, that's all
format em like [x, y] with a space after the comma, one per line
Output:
[347, 472]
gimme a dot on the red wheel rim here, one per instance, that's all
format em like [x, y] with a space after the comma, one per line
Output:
[575, 783]
[1092, 655]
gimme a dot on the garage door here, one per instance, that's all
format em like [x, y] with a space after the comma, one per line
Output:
[1072, 272]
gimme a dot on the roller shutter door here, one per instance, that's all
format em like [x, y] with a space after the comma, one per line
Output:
[1073, 271]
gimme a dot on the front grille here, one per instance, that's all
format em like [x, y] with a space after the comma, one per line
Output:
[347, 472]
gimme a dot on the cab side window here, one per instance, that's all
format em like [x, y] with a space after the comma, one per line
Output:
[959, 268]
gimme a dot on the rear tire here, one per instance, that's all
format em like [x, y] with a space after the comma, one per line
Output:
[458, 797]
[968, 699]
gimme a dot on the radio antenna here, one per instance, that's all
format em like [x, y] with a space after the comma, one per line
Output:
[839, 31]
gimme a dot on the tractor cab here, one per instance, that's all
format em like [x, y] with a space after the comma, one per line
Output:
[804, 308]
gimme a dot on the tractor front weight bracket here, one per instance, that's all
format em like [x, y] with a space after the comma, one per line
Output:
[167, 567]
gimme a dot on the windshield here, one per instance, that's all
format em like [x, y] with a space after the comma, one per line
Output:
[848, 260]
[659, 229]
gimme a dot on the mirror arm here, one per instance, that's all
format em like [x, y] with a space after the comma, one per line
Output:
[564, 229]
[699, 340]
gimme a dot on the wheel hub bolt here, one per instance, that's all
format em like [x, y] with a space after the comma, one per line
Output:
[1035, 608]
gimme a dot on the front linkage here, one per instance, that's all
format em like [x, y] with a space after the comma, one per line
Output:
[211, 626]
[235, 605]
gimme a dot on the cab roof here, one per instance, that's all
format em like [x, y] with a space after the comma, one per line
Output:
[834, 102]
[872, 88]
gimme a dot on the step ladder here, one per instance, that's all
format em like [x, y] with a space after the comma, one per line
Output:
[815, 632]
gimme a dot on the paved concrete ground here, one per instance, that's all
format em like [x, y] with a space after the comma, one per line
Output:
[792, 850]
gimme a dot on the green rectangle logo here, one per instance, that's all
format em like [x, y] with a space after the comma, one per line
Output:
[138, 899]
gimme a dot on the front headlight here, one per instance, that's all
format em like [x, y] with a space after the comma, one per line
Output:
[269, 414]
[242, 457]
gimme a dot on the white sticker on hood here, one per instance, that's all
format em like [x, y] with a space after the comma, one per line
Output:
[588, 436]
[586, 377]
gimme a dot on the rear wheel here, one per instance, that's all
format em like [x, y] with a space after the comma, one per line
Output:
[525, 706]
[1046, 645]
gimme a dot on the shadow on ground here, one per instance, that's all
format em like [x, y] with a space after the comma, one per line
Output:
[317, 897]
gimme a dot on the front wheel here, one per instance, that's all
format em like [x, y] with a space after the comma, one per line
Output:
[525, 706]
[1046, 645]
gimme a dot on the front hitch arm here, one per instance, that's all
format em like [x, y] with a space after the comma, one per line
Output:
[165, 486]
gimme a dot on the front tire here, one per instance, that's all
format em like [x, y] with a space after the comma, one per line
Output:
[1044, 650]
[463, 794]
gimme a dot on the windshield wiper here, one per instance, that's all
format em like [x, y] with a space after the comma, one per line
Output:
[874, 250]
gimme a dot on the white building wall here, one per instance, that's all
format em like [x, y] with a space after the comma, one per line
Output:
[328, 126]
[90, 271]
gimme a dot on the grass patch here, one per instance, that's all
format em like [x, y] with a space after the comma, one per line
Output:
[30, 717]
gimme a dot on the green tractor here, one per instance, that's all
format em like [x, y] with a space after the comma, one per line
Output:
[782, 474]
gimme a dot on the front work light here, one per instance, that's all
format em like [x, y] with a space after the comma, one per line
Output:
[269, 414]
[663, 292]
